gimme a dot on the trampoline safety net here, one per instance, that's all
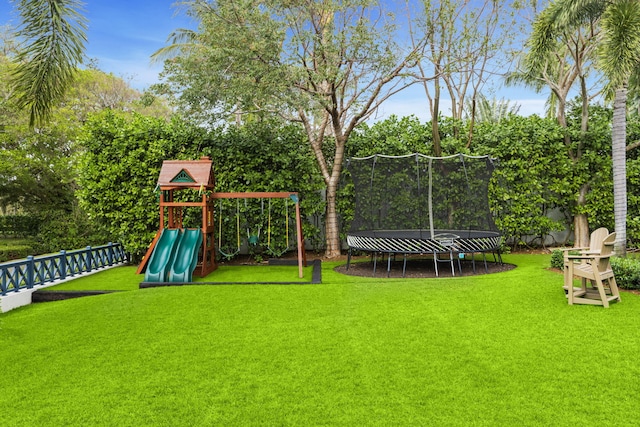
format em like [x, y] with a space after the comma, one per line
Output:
[424, 197]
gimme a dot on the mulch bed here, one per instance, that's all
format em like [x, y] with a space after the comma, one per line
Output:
[417, 267]
[420, 268]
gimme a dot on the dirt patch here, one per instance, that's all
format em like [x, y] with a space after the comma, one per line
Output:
[421, 268]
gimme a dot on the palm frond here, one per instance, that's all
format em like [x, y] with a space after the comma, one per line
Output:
[493, 110]
[559, 17]
[179, 41]
[573, 13]
[543, 39]
[620, 48]
[53, 39]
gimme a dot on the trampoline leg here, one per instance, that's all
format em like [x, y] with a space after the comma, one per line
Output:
[435, 262]
[389, 264]
[459, 266]
[404, 265]
[375, 263]
[453, 269]
[484, 258]
[348, 259]
[473, 262]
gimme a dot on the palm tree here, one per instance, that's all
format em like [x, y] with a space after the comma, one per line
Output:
[491, 110]
[618, 56]
[52, 37]
[569, 63]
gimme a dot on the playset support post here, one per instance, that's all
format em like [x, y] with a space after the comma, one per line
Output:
[198, 175]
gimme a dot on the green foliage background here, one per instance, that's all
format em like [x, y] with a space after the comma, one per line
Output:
[124, 153]
[99, 185]
[534, 177]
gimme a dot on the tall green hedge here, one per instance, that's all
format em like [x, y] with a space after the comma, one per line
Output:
[535, 175]
[124, 153]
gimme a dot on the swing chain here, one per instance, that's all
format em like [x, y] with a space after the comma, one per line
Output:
[229, 255]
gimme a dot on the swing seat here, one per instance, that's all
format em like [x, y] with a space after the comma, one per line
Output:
[253, 240]
[275, 252]
[228, 254]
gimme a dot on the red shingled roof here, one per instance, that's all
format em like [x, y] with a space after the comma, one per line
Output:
[200, 171]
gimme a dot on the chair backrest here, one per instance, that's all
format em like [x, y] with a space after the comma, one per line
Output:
[596, 238]
[606, 250]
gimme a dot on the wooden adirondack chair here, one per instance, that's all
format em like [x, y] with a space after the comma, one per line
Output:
[596, 268]
[595, 242]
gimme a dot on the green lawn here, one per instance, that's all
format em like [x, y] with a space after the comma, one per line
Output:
[501, 349]
[125, 279]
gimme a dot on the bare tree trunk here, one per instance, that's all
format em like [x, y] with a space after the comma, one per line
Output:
[580, 221]
[562, 121]
[331, 177]
[332, 228]
[435, 113]
[618, 155]
[580, 231]
[472, 122]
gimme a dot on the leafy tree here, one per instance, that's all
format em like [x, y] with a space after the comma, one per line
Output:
[38, 165]
[618, 58]
[327, 65]
[94, 90]
[35, 166]
[124, 153]
[568, 64]
[466, 43]
[35, 172]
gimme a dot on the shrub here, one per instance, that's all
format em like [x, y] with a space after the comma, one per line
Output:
[18, 225]
[627, 272]
[9, 253]
[557, 259]
[66, 231]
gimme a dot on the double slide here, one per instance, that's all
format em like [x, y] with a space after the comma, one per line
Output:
[175, 256]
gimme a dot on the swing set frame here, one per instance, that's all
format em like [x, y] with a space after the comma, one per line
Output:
[302, 257]
[198, 175]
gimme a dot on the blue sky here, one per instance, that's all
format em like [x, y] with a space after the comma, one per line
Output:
[122, 35]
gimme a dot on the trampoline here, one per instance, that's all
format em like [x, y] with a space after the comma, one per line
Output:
[416, 204]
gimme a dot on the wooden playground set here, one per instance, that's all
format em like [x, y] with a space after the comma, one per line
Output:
[176, 253]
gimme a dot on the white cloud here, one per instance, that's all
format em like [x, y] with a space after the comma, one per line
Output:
[531, 106]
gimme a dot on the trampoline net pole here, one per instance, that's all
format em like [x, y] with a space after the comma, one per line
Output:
[430, 198]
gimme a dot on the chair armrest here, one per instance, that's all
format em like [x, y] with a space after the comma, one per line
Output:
[567, 250]
[589, 252]
[588, 257]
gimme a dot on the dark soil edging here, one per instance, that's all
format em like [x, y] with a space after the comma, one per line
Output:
[421, 268]
[316, 277]
[48, 296]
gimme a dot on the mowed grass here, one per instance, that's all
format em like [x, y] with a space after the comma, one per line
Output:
[501, 349]
[126, 279]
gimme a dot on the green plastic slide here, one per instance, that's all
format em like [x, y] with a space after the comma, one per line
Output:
[186, 257]
[162, 256]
